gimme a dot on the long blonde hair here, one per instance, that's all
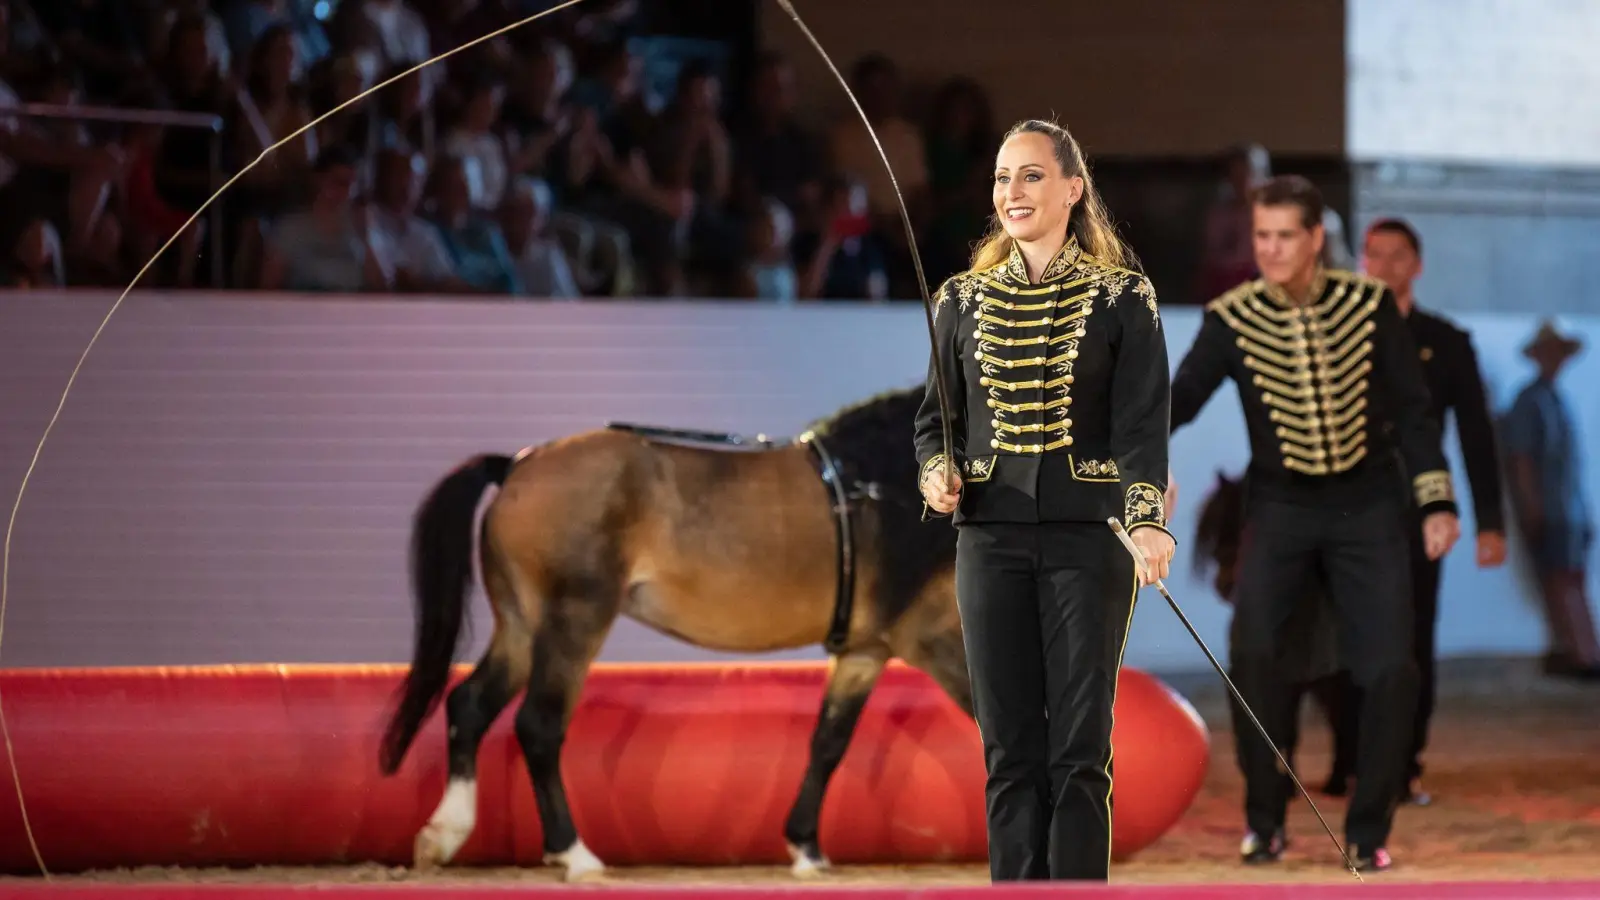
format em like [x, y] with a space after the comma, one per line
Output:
[1089, 222]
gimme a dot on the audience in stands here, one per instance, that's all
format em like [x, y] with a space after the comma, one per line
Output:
[577, 157]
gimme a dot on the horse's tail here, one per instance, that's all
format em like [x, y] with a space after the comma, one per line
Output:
[441, 570]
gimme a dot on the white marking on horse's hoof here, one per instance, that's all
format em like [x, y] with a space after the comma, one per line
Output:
[805, 865]
[451, 825]
[580, 861]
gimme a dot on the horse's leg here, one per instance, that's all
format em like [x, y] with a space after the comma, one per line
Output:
[565, 645]
[470, 709]
[850, 681]
[944, 658]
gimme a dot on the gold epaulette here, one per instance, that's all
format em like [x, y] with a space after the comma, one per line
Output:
[1357, 278]
[1234, 295]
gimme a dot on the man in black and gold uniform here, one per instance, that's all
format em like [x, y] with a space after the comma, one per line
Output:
[1342, 440]
[1392, 252]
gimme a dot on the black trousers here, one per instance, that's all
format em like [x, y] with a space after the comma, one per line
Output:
[1364, 554]
[1343, 712]
[1045, 611]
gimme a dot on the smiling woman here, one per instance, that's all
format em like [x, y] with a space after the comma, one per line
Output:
[1059, 422]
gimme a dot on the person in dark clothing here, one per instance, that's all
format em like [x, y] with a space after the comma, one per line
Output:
[1057, 382]
[1392, 252]
[1337, 411]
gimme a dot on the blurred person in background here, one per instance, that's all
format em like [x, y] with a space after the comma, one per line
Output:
[332, 245]
[876, 81]
[474, 240]
[35, 261]
[422, 262]
[1392, 252]
[472, 139]
[540, 261]
[775, 154]
[768, 272]
[845, 259]
[1545, 471]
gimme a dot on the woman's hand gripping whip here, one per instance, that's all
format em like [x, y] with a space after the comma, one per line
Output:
[1138, 560]
[911, 242]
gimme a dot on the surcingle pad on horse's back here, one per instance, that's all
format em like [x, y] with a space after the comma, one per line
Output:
[693, 436]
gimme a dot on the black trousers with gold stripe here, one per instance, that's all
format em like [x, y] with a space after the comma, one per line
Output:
[1045, 611]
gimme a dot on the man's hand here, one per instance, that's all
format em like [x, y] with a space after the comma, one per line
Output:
[934, 489]
[1491, 549]
[1439, 533]
[1156, 547]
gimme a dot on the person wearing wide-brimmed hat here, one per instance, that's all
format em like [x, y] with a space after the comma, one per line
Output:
[1543, 460]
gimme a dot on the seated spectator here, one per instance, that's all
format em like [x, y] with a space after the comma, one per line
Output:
[402, 32]
[99, 38]
[474, 241]
[960, 149]
[405, 116]
[876, 81]
[50, 169]
[270, 108]
[422, 262]
[769, 272]
[845, 259]
[195, 83]
[35, 260]
[534, 116]
[245, 21]
[775, 155]
[540, 261]
[689, 152]
[473, 141]
[331, 246]
[103, 263]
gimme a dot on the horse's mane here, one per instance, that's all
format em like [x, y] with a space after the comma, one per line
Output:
[873, 441]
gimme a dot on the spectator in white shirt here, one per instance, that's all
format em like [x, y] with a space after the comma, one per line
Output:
[539, 258]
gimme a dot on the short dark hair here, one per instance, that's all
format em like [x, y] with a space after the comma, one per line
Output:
[1291, 190]
[1401, 227]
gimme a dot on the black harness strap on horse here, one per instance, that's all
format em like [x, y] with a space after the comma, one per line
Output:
[845, 547]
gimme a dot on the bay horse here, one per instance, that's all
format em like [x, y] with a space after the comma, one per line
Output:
[726, 549]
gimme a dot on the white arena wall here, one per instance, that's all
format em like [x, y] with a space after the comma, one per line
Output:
[232, 477]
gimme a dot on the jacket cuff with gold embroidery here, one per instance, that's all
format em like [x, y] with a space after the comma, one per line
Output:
[1434, 492]
[1144, 507]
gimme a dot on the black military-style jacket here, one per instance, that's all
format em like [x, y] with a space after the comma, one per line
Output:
[1330, 389]
[1450, 368]
[1058, 393]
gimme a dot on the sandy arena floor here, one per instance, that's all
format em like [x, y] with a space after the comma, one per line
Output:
[1514, 767]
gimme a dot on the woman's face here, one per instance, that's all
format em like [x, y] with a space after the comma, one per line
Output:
[1032, 197]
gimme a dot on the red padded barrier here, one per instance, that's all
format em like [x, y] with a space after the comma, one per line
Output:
[1370, 890]
[665, 765]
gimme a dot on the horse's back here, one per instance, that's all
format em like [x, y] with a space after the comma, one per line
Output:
[724, 548]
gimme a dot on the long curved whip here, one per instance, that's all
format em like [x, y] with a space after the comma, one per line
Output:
[5, 564]
[911, 237]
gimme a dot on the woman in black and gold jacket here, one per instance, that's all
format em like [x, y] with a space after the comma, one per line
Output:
[1059, 401]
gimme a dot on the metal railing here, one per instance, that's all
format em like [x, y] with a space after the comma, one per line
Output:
[167, 119]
